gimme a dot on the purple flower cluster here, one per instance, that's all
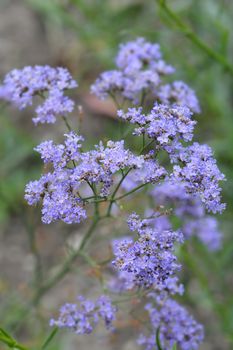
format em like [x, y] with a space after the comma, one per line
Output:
[186, 188]
[139, 74]
[149, 260]
[176, 326]
[140, 54]
[149, 263]
[82, 318]
[199, 171]
[59, 190]
[193, 183]
[179, 93]
[20, 86]
[166, 125]
[189, 208]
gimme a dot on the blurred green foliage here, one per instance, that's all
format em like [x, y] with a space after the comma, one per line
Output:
[99, 26]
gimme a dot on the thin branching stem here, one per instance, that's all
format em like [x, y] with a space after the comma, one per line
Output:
[216, 56]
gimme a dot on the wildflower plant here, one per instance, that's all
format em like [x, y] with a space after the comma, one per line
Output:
[176, 180]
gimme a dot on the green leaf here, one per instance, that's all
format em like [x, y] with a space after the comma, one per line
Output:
[49, 339]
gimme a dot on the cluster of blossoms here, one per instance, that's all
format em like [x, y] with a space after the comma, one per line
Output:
[82, 318]
[176, 326]
[166, 125]
[181, 180]
[149, 260]
[149, 263]
[139, 74]
[20, 86]
[189, 208]
[61, 190]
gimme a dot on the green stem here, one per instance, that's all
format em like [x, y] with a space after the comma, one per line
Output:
[118, 106]
[145, 146]
[195, 39]
[130, 192]
[38, 275]
[67, 123]
[65, 268]
[115, 191]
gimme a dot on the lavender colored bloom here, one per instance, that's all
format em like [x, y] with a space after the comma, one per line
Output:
[21, 85]
[115, 157]
[59, 200]
[35, 189]
[149, 259]
[168, 123]
[55, 105]
[57, 190]
[72, 169]
[179, 93]
[60, 155]
[201, 175]
[189, 208]
[59, 203]
[73, 145]
[139, 73]
[82, 318]
[51, 153]
[130, 87]
[139, 54]
[98, 166]
[150, 172]
[106, 311]
[109, 83]
[175, 194]
[165, 124]
[206, 229]
[176, 326]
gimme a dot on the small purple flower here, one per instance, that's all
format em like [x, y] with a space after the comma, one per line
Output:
[176, 326]
[149, 259]
[199, 171]
[21, 85]
[179, 93]
[165, 124]
[82, 318]
[140, 54]
[206, 229]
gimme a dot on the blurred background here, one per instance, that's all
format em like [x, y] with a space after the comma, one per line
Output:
[83, 35]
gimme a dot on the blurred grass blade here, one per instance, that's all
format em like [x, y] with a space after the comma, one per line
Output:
[158, 340]
[50, 338]
[8, 340]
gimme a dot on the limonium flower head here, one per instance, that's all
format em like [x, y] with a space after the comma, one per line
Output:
[176, 326]
[21, 85]
[109, 83]
[59, 189]
[165, 124]
[206, 229]
[149, 259]
[59, 200]
[179, 93]
[139, 74]
[174, 194]
[199, 171]
[129, 87]
[139, 54]
[190, 209]
[82, 317]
